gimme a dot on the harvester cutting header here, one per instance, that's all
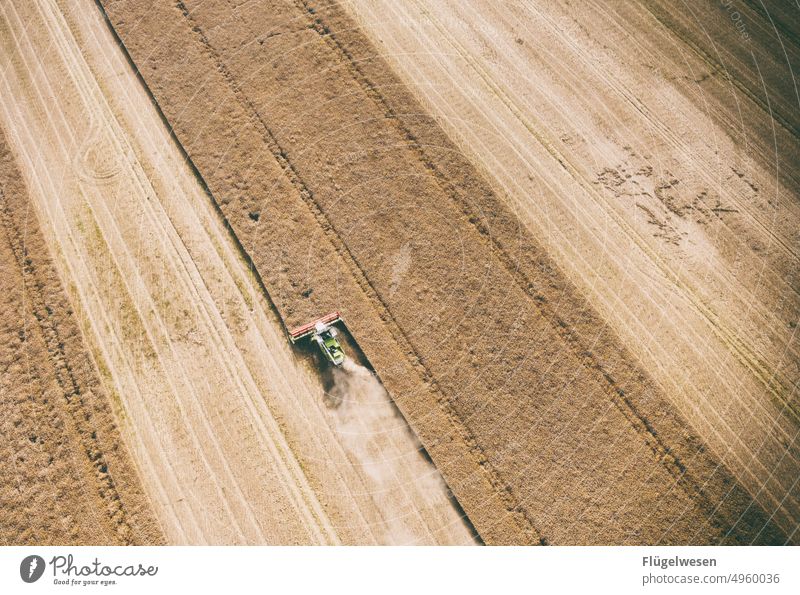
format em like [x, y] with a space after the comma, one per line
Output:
[323, 333]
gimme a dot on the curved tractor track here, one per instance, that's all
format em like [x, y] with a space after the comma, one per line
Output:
[67, 478]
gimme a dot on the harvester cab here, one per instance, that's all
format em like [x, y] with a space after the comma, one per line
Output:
[323, 333]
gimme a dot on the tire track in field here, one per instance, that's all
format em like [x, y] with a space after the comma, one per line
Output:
[757, 7]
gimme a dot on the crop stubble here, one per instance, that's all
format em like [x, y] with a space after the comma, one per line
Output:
[346, 195]
[67, 478]
[659, 181]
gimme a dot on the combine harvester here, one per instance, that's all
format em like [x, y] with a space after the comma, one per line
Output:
[324, 334]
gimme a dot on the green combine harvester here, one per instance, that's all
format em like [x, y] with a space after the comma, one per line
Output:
[323, 333]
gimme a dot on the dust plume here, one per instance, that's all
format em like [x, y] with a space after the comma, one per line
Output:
[378, 439]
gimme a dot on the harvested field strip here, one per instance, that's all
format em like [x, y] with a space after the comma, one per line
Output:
[765, 227]
[93, 489]
[782, 395]
[173, 375]
[685, 150]
[736, 398]
[616, 393]
[783, 108]
[240, 192]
